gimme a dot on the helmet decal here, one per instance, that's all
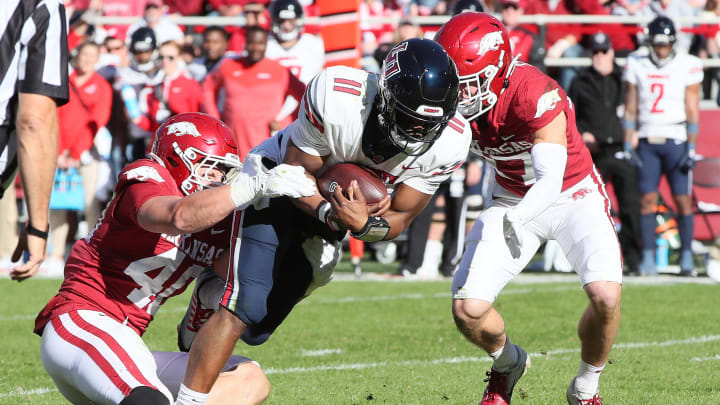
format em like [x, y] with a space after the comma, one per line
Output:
[490, 42]
[429, 111]
[392, 67]
[547, 102]
[183, 128]
[143, 173]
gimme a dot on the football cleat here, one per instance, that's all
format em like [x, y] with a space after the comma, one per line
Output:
[199, 311]
[573, 397]
[500, 385]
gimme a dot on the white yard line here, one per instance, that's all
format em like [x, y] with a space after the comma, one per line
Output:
[710, 358]
[320, 352]
[447, 360]
[452, 360]
[35, 391]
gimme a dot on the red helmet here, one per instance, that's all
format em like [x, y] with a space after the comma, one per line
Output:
[480, 46]
[189, 141]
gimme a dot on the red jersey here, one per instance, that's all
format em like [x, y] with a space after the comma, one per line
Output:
[175, 95]
[126, 272]
[521, 41]
[254, 95]
[531, 101]
[87, 110]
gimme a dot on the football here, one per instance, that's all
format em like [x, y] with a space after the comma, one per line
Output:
[343, 173]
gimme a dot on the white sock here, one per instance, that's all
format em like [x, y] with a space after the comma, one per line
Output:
[505, 357]
[588, 379]
[186, 396]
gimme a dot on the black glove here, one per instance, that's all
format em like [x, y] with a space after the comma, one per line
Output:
[631, 155]
[687, 162]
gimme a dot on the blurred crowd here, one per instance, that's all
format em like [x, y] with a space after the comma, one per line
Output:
[127, 79]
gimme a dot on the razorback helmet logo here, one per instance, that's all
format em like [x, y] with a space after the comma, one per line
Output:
[392, 67]
[490, 42]
[547, 102]
[183, 128]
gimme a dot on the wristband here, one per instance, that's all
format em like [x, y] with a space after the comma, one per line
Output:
[31, 230]
[375, 229]
[323, 211]
[627, 145]
[629, 125]
[692, 128]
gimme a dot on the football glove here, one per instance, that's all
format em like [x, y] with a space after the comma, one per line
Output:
[282, 180]
[631, 155]
[687, 162]
[511, 233]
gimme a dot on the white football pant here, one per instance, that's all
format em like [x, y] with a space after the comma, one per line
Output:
[579, 220]
[94, 359]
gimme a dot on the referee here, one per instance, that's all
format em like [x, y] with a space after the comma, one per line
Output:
[33, 83]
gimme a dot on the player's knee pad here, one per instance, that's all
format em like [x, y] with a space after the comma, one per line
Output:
[145, 396]
[255, 338]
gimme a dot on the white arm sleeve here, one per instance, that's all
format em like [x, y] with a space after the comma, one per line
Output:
[549, 160]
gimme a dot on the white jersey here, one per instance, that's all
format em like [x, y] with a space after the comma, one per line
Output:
[305, 59]
[661, 93]
[332, 118]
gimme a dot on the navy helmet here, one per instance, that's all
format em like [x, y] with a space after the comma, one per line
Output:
[661, 31]
[418, 94]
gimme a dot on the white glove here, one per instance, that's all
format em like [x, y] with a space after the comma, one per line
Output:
[282, 180]
[511, 233]
[287, 180]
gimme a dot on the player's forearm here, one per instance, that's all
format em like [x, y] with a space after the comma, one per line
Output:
[630, 117]
[201, 210]
[37, 130]
[692, 111]
[549, 161]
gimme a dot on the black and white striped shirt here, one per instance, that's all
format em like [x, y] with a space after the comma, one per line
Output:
[33, 59]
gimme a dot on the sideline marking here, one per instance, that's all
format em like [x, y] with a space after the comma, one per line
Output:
[448, 360]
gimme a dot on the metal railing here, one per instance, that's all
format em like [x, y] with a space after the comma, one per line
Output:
[539, 19]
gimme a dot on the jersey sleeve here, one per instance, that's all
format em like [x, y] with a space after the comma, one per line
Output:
[44, 53]
[695, 71]
[458, 133]
[308, 131]
[629, 74]
[542, 101]
[136, 186]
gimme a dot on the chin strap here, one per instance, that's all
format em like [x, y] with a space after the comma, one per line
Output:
[510, 70]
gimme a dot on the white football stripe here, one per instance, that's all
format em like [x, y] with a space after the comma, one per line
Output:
[484, 359]
[447, 360]
[321, 352]
[715, 357]
[22, 392]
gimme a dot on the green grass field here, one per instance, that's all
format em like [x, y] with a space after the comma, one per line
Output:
[379, 342]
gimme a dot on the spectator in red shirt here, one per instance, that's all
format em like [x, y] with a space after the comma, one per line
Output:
[561, 40]
[80, 120]
[175, 92]
[185, 7]
[255, 13]
[255, 90]
[522, 36]
[121, 8]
